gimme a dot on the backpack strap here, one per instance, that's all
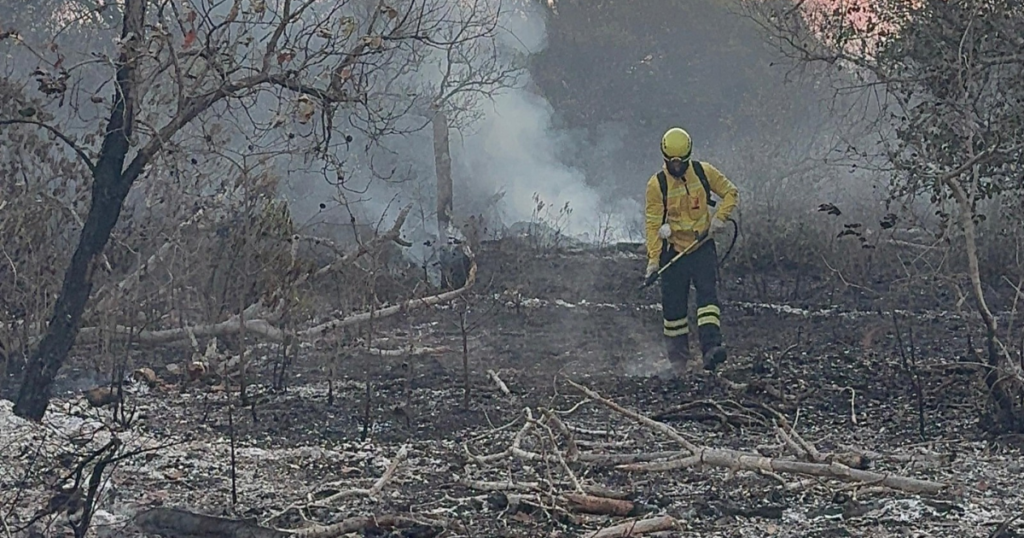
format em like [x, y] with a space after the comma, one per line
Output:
[663, 183]
[704, 182]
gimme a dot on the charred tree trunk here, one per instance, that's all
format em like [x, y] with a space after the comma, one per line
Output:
[109, 189]
[443, 166]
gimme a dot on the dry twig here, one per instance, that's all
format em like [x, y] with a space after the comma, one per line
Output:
[736, 460]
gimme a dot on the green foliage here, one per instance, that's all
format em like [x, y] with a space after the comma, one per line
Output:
[950, 78]
[957, 72]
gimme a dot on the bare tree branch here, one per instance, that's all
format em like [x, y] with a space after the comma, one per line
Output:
[81, 153]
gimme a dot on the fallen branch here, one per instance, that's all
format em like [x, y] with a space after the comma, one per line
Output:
[611, 460]
[536, 487]
[691, 411]
[650, 423]
[392, 235]
[636, 528]
[484, 485]
[743, 461]
[572, 451]
[497, 381]
[106, 295]
[377, 487]
[591, 504]
[930, 460]
[265, 329]
[408, 352]
[391, 310]
[516, 449]
[371, 492]
[736, 460]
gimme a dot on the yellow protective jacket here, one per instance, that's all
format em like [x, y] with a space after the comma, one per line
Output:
[688, 211]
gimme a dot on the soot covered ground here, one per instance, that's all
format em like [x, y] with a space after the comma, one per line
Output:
[836, 372]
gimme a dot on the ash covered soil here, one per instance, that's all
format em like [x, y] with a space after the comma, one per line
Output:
[827, 364]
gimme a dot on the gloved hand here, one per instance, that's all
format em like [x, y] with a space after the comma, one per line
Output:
[652, 268]
[665, 231]
[717, 225]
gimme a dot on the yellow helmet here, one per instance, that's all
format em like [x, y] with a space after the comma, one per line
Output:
[675, 144]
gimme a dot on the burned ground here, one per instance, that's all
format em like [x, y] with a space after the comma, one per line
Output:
[828, 361]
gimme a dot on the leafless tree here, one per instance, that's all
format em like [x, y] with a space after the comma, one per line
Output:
[216, 90]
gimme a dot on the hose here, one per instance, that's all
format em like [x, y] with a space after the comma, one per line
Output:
[732, 243]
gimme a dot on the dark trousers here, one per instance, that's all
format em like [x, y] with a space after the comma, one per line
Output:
[701, 268]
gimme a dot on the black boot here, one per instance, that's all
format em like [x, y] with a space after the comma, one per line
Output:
[714, 357]
[678, 353]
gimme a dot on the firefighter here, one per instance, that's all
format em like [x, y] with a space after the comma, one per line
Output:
[677, 212]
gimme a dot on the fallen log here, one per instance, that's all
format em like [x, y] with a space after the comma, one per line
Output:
[636, 528]
[591, 504]
[497, 381]
[743, 461]
[267, 330]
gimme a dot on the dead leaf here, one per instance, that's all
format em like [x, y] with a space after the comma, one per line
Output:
[523, 517]
[258, 6]
[190, 38]
[306, 109]
[155, 496]
[283, 57]
[348, 27]
[233, 14]
[391, 12]
[173, 474]
[101, 396]
[96, 99]
[324, 33]
[196, 370]
[373, 41]
[147, 376]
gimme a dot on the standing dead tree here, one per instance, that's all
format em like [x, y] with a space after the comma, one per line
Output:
[952, 132]
[468, 74]
[189, 77]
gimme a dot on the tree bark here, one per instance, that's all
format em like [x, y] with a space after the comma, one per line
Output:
[1004, 377]
[109, 189]
[443, 169]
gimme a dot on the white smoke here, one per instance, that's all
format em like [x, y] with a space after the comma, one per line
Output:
[513, 150]
[516, 150]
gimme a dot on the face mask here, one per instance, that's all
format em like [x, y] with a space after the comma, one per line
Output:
[676, 167]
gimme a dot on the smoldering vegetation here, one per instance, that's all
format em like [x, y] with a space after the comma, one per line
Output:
[373, 266]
